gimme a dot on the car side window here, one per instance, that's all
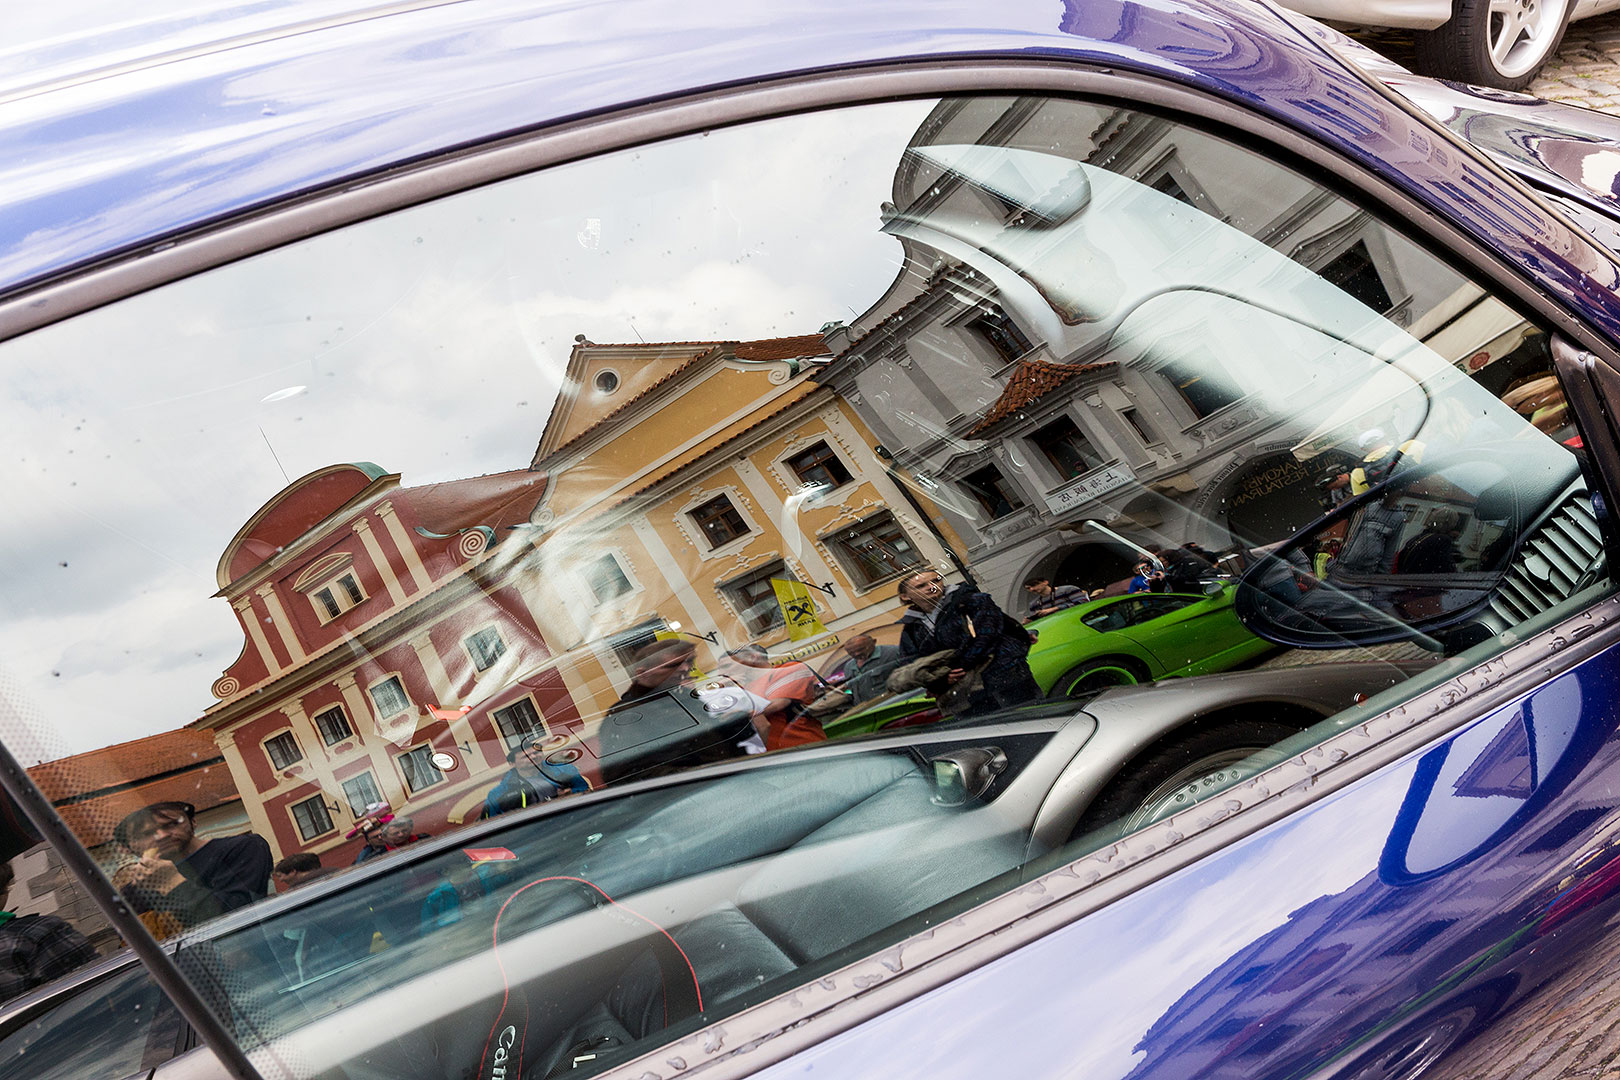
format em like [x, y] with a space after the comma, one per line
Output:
[800, 469]
[1152, 607]
[109, 1029]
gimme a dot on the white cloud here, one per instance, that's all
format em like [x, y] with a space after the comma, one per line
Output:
[431, 342]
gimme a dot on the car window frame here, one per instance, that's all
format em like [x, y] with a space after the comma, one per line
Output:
[774, 1029]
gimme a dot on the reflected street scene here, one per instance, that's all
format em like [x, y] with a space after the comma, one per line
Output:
[809, 528]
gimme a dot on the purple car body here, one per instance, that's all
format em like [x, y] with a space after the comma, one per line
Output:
[1417, 910]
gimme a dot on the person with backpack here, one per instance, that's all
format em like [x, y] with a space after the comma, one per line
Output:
[35, 949]
[985, 641]
[532, 780]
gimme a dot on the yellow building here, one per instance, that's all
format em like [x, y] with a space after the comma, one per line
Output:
[684, 478]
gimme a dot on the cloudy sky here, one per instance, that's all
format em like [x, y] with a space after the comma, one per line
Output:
[431, 342]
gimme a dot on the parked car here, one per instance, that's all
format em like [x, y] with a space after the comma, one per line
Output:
[1114, 641]
[1143, 637]
[443, 401]
[1485, 42]
[315, 951]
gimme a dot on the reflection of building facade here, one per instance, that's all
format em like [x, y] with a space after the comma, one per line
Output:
[1011, 385]
[686, 478]
[388, 656]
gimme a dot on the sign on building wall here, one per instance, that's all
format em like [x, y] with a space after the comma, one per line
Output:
[1091, 486]
[798, 609]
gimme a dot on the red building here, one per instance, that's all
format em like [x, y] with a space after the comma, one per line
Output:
[390, 653]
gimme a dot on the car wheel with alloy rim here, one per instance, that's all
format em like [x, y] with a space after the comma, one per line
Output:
[1499, 43]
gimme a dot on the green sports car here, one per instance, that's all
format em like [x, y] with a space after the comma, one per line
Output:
[1115, 641]
[1139, 638]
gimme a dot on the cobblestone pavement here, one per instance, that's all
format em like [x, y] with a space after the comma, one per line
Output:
[1587, 68]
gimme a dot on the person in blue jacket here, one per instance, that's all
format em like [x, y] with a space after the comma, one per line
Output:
[532, 780]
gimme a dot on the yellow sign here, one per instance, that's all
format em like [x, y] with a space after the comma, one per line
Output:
[798, 610]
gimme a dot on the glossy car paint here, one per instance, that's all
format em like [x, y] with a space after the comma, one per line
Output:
[1563, 148]
[1250, 944]
[1409, 903]
[114, 164]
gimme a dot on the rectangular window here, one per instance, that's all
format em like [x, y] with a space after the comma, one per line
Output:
[1134, 419]
[337, 596]
[333, 725]
[876, 549]
[992, 491]
[1205, 386]
[312, 818]
[998, 331]
[625, 645]
[719, 521]
[518, 720]
[283, 750]
[755, 598]
[328, 603]
[389, 697]
[607, 579]
[361, 791]
[485, 647]
[1067, 448]
[818, 467]
[1355, 272]
[1168, 185]
[418, 768]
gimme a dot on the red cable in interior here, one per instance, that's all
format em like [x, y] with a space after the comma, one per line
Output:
[506, 985]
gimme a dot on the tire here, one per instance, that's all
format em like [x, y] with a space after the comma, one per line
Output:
[1096, 675]
[1411, 1050]
[1505, 50]
[1169, 775]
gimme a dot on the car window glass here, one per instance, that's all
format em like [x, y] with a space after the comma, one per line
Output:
[109, 1029]
[368, 570]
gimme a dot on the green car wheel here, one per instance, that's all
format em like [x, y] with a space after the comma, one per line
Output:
[1097, 675]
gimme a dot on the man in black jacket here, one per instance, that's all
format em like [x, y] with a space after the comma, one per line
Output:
[983, 637]
[183, 876]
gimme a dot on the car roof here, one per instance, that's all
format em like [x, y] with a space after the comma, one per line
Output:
[112, 139]
[105, 157]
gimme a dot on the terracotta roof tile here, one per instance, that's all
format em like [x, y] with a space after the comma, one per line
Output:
[123, 763]
[498, 500]
[93, 791]
[1031, 381]
[782, 348]
[92, 820]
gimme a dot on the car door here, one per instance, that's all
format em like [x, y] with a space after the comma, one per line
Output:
[109, 1024]
[1188, 632]
[448, 480]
